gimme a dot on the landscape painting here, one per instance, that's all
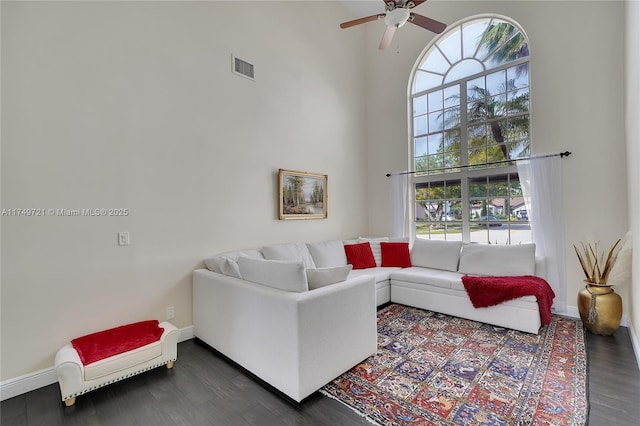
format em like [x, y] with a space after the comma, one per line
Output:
[302, 195]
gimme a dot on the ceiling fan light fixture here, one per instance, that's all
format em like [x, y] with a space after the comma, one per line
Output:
[397, 17]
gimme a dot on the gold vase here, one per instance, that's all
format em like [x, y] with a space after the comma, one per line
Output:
[600, 308]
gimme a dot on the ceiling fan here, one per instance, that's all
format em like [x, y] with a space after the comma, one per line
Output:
[397, 13]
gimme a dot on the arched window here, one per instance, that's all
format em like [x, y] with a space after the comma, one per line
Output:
[469, 103]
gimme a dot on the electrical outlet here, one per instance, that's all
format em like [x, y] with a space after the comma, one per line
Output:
[123, 238]
[171, 312]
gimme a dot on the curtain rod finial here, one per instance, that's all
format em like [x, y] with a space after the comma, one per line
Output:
[388, 174]
[565, 154]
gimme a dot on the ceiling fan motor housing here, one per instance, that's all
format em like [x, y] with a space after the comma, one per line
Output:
[397, 17]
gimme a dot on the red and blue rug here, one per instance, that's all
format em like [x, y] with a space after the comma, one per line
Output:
[435, 369]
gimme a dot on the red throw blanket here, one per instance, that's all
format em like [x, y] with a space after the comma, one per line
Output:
[490, 291]
[103, 344]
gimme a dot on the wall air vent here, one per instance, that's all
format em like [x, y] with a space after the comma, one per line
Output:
[243, 68]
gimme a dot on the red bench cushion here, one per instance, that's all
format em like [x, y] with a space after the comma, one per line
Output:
[103, 344]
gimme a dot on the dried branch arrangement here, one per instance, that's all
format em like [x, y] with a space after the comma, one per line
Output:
[594, 265]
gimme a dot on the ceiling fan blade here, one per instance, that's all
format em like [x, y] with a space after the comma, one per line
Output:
[387, 37]
[362, 20]
[427, 23]
[415, 3]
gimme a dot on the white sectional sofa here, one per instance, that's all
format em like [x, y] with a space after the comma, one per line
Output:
[297, 315]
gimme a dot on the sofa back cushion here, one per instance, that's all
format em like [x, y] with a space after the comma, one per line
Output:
[215, 263]
[328, 254]
[281, 274]
[326, 276]
[436, 254]
[290, 252]
[491, 259]
[376, 249]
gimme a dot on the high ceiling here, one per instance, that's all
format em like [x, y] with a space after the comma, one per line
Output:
[364, 7]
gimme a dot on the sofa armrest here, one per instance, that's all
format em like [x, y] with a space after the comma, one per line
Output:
[169, 340]
[69, 370]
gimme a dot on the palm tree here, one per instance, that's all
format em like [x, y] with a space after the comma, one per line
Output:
[505, 43]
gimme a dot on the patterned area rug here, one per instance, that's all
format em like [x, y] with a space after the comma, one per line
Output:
[434, 369]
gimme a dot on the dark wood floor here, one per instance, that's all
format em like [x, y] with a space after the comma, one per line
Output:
[205, 389]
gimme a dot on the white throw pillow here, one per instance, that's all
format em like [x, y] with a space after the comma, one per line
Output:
[214, 263]
[436, 254]
[375, 247]
[230, 268]
[284, 275]
[498, 260]
[327, 254]
[290, 252]
[325, 276]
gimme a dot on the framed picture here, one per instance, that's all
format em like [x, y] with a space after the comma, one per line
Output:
[302, 195]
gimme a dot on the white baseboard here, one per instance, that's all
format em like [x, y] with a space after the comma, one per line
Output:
[38, 379]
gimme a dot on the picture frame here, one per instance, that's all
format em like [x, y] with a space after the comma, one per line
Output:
[302, 195]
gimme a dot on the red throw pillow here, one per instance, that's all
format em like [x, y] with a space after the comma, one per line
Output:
[395, 254]
[360, 255]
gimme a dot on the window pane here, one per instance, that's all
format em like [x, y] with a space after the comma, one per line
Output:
[451, 117]
[476, 88]
[420, 125]
[435, 100]
[472, 33]
[420, 147]
[452, 141]
[496, 82]
[435, 122]
[451, 47]
[420, 105]
[462, 69]
[453, 190]
[452, 95]
[477, 156]
[519, 75]
[425, 80]
[435, 143]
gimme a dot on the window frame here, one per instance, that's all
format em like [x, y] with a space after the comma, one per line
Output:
[464, 173]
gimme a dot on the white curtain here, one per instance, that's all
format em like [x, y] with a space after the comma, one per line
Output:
[398, 202]
[541, 180]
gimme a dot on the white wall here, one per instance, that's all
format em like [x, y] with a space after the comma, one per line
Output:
[133, 105]
[632, 96]
[577, 95]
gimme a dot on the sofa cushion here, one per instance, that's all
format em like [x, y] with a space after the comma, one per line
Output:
[321, 277]
[122, 361]
[426, 276]
[491, 259]
[214, 263]
[375, 247]
[436, 254]
[379, 273]
[395, 254]
[290, 252]
[360, 255]
[327, 254]
[281, 274]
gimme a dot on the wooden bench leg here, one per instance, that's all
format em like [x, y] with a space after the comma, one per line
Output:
[70, 401]
[170, 364]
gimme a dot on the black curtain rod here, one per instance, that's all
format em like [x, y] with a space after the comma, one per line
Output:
[533, 157]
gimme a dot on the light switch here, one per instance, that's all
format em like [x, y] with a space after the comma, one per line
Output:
[123, 238]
